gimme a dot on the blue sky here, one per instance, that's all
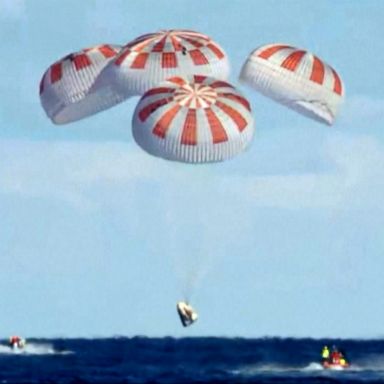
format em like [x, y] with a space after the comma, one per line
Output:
[97, 238]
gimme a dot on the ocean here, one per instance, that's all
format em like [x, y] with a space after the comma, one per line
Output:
[187, 360]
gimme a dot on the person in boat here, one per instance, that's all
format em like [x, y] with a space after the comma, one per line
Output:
[187, 314]
[343, 359]
[325, 354]
[334, 357]
[16, 342]
[338, 357]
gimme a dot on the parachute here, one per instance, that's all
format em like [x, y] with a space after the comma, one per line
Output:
[187, 314]
[65, 86]
[196, 119]
[154, 57]
[295, 78]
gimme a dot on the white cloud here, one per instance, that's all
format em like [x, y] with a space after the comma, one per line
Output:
[291, 192]
[355, 179]
[73, 171]
[66, 170]
[361, 109]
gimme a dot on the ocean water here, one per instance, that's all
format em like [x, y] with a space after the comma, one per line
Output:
[187, 360]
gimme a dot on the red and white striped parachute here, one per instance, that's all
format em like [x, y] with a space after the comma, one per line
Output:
[295, 78]
[64, 88]
[155, 57]
[196, 119]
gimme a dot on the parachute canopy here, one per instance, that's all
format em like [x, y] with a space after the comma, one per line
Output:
[187, 314]
[65, 86]
[154, 57]
[295, 78]
[196, 119]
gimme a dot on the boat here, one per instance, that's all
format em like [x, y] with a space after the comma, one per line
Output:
[16, 343]
[335, 365]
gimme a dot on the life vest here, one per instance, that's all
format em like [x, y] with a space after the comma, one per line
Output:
[14, 339]
[325, 353]
[335, 356]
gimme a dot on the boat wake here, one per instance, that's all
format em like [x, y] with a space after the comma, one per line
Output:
[318, 367]
[32, 349]
[253, 370]
[313, 368]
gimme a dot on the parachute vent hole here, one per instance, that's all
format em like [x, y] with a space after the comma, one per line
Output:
[184, 51]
